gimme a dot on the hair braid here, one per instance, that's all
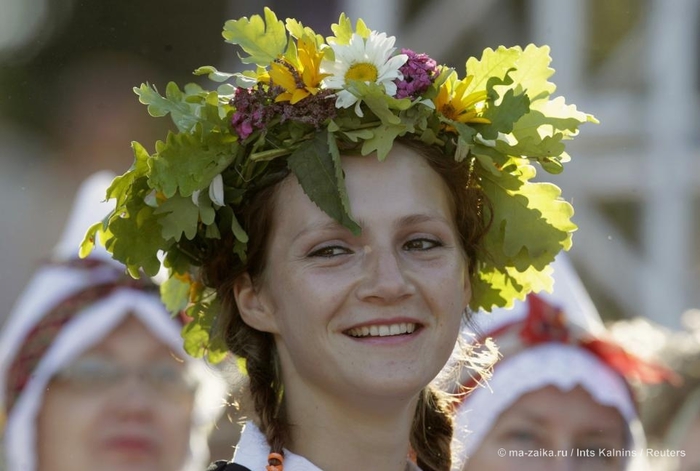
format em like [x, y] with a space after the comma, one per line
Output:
[266, 391]
[431, 433]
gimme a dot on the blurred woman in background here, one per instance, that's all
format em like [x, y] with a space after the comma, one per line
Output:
[92, 372]
[559, 397]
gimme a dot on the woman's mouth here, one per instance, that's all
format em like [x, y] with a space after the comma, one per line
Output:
[131, 447]
[382, 330]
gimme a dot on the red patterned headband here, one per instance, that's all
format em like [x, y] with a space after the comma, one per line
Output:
[41, 336]
[546, 323]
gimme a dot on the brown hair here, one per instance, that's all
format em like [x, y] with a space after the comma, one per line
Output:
[432, 425]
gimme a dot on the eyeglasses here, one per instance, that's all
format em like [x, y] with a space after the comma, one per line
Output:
[95, 374]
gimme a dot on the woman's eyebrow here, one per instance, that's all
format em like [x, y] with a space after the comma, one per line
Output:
[319, 226]
[419, 218]
[603, 432]
[528, 416]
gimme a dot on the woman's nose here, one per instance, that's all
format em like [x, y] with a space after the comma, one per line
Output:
[134, 396]
[385, 278]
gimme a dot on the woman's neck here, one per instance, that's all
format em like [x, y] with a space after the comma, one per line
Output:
[350, 436]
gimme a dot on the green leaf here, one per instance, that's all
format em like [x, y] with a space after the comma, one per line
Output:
[207, 213]
[531, 223]
[88, 242]
[299, 31]
[532, 72]
[158, 106]
[197, 334]
[317, 172]
[187, 108]
[264, 40]
[493, 288]
[225, 91]
[217, 350]
[343, 30]
[359, 135]
[500, 288]
[173, 104]
[120, 187]
[180, 216]
[213, 74]
[532, 146]
[556, 113]
[492, 64]
[531, 69]
[466, 138]
[228, 219]
[340, 178]
[382, 139]
[183, 163]
[503, 116]
[196, 339]
[539, 134]
[212, 232]
[136, 240]
[178, 259]
[489, 159]
[381, 104]
[175, 293]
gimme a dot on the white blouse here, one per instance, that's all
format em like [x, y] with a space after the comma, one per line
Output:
[252, 452]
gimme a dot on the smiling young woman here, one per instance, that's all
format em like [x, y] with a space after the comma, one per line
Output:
[332, 228]
[359, 324]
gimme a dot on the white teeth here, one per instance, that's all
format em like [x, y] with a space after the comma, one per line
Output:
[383, 330]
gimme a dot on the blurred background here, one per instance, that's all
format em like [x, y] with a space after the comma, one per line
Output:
[67, 68]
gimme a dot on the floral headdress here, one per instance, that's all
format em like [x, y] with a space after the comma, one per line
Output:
[306, 99]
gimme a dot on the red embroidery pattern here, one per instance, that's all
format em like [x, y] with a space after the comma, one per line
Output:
[546, 323]
[42, 335]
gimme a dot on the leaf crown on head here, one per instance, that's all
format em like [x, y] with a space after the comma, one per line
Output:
[304, 99]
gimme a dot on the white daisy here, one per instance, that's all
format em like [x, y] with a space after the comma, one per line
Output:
[368, 60]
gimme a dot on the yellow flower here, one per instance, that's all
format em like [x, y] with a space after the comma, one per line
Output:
[453, 102]
[299, 79]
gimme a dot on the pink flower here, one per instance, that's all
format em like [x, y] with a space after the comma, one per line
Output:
[419, 72]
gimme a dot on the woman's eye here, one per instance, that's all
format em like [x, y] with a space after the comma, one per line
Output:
[522, 436]
[421, 244]
[330, 251]
[87, 371]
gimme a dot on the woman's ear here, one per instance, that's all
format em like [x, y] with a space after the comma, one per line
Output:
[255, 309]
[467, 287]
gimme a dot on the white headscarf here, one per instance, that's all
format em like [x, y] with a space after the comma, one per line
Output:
[54, 283]
[524, 369]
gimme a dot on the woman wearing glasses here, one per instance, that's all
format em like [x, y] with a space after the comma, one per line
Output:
[92, 374]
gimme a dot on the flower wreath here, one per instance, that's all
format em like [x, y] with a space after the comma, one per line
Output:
[303, 100]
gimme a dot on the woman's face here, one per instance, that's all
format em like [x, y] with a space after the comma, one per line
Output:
[122, 405]
[370, 314]
[689, 444]
[548, 422]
